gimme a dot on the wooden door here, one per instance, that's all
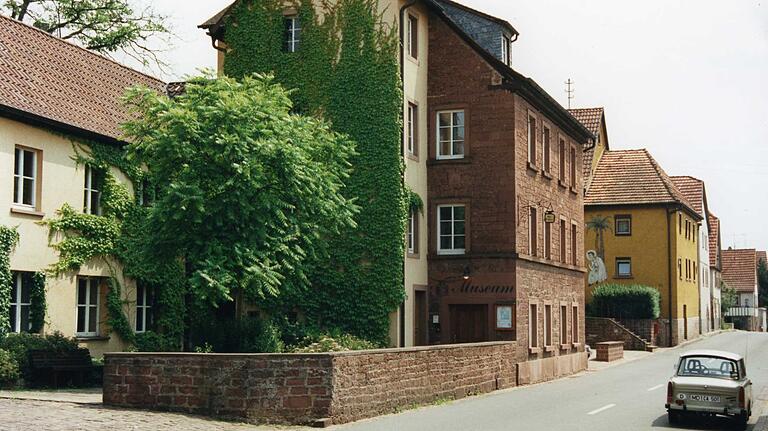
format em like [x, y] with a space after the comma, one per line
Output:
[469, 323]
[420, 318]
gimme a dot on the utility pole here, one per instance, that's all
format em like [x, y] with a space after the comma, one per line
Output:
[569, 90]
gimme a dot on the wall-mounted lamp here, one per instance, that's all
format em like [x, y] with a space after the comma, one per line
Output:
[467, 272]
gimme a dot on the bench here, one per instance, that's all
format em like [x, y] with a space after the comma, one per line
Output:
[50, 365]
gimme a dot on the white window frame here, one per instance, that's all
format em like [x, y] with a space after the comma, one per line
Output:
[18, 281]
[19, 178]
[452, 140]
[448, 251]
[89, 189]
[294, 34]
[91, 283]
[411, 232]
[412, 119]
[619, 262]
[146, 307]
[411, 46]
[506, 46]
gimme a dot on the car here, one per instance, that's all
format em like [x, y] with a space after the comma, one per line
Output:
[710, 382]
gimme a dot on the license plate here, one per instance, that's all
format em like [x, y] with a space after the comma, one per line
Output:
[705, 398]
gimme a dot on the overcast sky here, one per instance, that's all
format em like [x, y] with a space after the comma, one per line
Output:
[688, 80]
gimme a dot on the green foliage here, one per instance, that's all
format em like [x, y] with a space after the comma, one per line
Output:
[728, 297]
[9, 237]
[625, 301]
[345, 70]
[245, 335]
[151, 341]
[599, 224]
[333, 343]
[9, 369]
[116, 317]
[19, 345]
[37, 303]
[762, 280]
[253, 191]
[415, 203]
[104, 26]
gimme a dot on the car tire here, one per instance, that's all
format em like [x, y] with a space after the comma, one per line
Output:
[673, 417]
[741, 421]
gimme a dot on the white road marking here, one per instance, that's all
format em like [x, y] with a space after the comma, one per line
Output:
[655, 387]
[601, 409]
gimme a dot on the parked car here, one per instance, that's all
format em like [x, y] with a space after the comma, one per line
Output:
[710, 382]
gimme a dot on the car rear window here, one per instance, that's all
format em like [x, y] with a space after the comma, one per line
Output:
[708, 366]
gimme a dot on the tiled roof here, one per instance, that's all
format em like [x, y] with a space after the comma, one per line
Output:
[714, 239]
[693, 190]
[739, 271]
[44, 76]
[626, 177]
[591, 118]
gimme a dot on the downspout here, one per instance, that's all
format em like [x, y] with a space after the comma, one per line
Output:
[401, 319]
[669, 271]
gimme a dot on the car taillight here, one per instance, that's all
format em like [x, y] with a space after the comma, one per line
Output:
[742, 397]
[670, 390]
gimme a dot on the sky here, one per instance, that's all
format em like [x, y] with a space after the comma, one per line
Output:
[686, 79]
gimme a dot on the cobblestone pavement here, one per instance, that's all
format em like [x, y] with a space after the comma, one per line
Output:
[28, 415]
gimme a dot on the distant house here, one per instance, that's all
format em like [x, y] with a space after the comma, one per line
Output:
[52, 94]
[740, 273]
[594, 120]
[652, 237]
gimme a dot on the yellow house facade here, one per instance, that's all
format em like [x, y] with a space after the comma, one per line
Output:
[41, 119]
[649, 237]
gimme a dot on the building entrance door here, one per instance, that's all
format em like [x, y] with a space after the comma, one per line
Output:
[420, 318]
[469, 323]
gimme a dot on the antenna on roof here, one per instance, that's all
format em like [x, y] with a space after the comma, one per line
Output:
[569, 90]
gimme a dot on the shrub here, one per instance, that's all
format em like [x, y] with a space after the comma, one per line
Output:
[9, 369]
[18, 345]
[625, 301]
[330, 343]
[245, 335]
[153, 342]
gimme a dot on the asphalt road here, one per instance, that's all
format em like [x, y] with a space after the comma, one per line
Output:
[629, 396]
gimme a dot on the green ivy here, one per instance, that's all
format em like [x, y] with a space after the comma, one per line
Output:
[9, 237]
[345, 70]
[38, 304]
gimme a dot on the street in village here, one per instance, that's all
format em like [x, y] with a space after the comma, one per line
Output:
[626, 396]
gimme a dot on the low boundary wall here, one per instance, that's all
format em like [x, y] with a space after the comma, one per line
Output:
[311, 388]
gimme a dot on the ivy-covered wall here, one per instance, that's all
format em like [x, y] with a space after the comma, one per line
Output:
[345, 70]
[8, 240]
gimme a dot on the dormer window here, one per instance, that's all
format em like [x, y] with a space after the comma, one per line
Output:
[292, 36]
[506, 54]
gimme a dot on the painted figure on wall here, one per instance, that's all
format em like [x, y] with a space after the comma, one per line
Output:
[597, 272]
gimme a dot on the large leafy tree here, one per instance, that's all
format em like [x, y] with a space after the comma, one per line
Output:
[105, 26]
[250, 192]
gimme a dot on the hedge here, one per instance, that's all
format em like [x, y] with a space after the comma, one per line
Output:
[625, 301]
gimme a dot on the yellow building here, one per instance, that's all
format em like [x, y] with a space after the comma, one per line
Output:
[52, 94]
[646, 232]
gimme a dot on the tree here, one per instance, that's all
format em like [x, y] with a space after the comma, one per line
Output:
[762, 280]
[729, 297]
[251, 193]
[105, 26]
[599, 224]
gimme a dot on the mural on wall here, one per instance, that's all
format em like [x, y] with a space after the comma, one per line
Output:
[597, 272]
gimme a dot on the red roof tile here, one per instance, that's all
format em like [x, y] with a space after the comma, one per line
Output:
[591, 118]
[693, 190]
[714, 241]
[739, 270]
[627, 177]
[48, 77]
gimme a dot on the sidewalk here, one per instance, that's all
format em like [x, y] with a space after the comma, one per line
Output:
[90, 396]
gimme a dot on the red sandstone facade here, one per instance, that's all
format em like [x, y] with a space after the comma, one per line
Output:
[497, 184]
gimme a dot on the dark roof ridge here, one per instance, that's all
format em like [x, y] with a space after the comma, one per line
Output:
[481, 14]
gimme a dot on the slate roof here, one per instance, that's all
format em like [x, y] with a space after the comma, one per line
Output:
[632, 177]
[44, 78]
[591, 118]
[739, 270]
[714, 241]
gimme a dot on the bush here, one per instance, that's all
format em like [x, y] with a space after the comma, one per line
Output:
[153, 342]
[245, 335]
[330, 343]
[9, 369]
[625, 302]
[18, 345]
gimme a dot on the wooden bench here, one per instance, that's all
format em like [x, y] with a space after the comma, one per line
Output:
[49, 366]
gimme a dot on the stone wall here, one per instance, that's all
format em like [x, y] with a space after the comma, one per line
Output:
[600, 329]
[306, 388]
[647, 329]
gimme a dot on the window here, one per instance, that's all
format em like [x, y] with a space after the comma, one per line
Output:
[148, 194]
[20, 301]
[92, 191]
[413, 232]
[144, 317]
[451, 229]
[506, 54]
[563, 324]
[533, 326]
[413, 131]
[87, 306]
[547, 325]
[680, 268]
[575, 324]
[680, 223]
[450, 135]
[562, 161]
[292, 37]
[545, 149]
[573, 167]
[574, 244]
[531, 140]
[623, 225]
[694, 271]
[533, 232]
[413, 36]
[547, 240]
[562, 241]
[623, 267]
[25, 174]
